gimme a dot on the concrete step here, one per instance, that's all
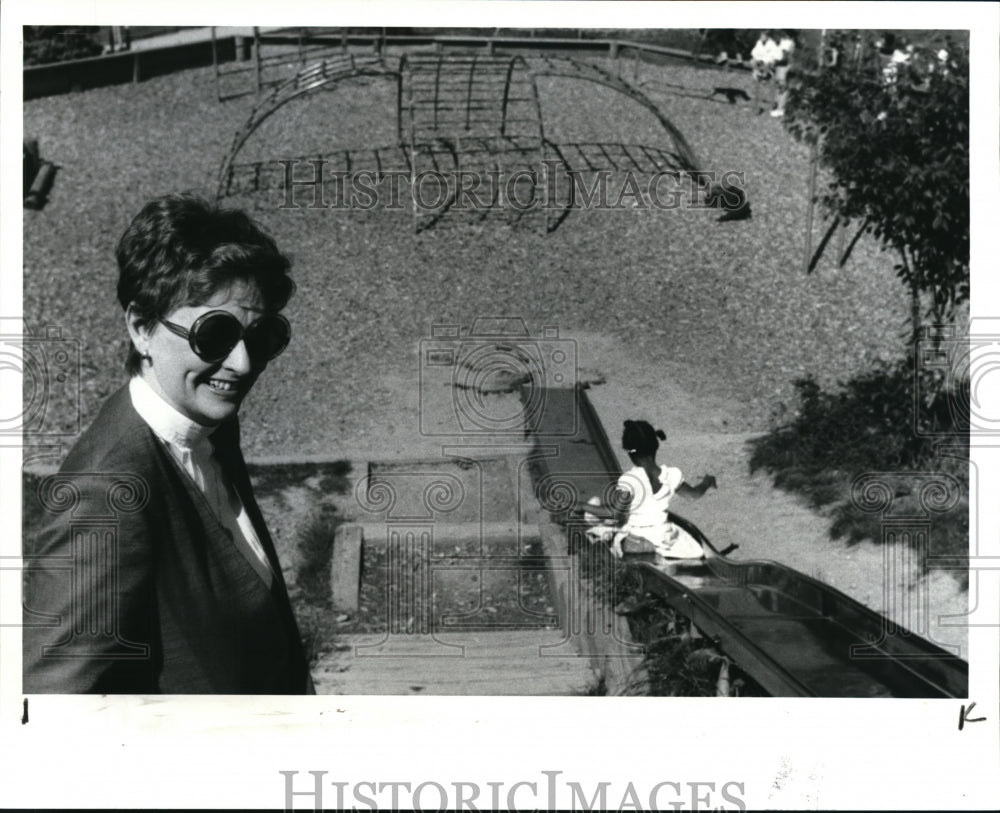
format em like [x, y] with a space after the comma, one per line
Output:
[495, 662]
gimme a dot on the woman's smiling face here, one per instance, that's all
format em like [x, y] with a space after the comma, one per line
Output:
[206, 392]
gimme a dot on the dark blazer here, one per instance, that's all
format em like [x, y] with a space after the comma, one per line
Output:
[134, 586]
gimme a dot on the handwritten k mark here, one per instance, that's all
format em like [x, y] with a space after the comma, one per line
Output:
[963, 717]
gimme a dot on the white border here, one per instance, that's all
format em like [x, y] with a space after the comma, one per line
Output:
[226, 752]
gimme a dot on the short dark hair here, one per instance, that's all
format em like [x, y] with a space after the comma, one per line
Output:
[639, 438]
[181, 250]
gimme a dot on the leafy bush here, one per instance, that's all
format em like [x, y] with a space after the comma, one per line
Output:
[885, 420]
[868, 425]
[44, 44]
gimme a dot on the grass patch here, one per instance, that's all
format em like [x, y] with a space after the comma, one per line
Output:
[330, 478]
[888, 421]
[309, 529]
[311, 595]
[315, 545]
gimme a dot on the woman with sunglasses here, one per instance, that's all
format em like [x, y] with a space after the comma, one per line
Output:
[190, 598]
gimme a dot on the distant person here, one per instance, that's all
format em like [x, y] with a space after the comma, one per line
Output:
[189, 599]
[786, 47]
[763, 57]
[643, 495]
[118, 39]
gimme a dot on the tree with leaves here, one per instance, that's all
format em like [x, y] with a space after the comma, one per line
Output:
[892, 128]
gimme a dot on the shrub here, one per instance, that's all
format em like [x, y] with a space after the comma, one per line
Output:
[884, 420]
[44, 44]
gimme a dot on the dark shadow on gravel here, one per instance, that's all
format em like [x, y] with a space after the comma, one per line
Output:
[903, 429]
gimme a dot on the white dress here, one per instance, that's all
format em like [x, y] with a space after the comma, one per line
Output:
[647, 513]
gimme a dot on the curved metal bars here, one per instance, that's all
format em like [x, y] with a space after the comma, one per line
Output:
[318, 76]
[450, 92]
[574, 69]
[448, 96]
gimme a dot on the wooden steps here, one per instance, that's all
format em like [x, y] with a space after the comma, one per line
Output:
[497, 662]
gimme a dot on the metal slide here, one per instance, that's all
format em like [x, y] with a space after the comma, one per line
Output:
[796, 636]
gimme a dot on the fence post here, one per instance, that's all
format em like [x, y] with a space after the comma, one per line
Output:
[256, 57]
[215, 65]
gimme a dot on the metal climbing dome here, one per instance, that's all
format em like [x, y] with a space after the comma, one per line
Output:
[460, 113]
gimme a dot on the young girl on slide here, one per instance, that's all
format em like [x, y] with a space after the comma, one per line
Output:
[644, 491]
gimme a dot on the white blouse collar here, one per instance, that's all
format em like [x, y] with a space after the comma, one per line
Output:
[169, 424]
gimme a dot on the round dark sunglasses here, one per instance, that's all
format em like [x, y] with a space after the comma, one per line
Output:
[214, 335]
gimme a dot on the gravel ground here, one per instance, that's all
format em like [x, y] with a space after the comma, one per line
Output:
[729, 302]
[700, 325]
